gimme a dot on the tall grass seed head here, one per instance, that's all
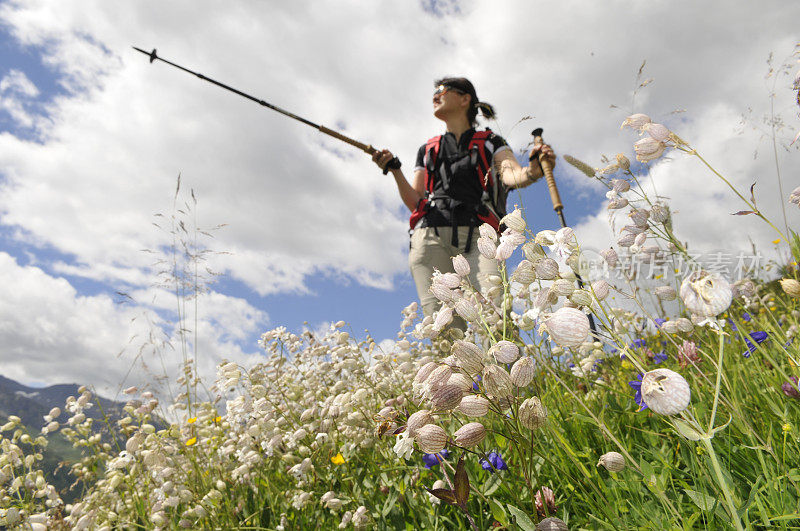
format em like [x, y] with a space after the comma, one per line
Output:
[665, 392]
[469, 435]
[584, 168]
[612, 461]
[706, 294]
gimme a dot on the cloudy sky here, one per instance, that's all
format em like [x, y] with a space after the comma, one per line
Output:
[93, 139]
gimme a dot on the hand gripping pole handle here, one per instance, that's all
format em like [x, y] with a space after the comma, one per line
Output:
[547, 168]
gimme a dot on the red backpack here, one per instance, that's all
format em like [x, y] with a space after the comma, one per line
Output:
[494, 191]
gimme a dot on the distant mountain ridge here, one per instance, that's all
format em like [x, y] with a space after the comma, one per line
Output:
[31, 404]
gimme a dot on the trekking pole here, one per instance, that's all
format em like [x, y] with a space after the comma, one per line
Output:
[366, 148]
[555, 198]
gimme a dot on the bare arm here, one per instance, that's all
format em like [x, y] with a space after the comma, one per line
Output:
[410, 193]
[514, 175]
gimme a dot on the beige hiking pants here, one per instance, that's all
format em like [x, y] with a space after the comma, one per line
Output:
[429, 251]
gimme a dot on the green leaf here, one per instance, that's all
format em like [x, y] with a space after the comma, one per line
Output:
[687, 430]
[492, 484]
[461, 483]
[521, 519]
[703, 501]
[498, 512]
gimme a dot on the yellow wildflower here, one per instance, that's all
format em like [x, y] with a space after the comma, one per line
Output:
[776, 242]
[192, 420]
[191, 442]
[217, 419]
[337, 459]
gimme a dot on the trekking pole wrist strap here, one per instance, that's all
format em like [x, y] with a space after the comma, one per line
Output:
[393, 164]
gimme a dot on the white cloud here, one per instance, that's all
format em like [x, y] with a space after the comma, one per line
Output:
[299, 205]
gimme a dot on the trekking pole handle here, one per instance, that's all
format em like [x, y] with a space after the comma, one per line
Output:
[547, 168]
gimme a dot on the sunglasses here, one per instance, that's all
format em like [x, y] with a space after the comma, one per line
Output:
[441, 90]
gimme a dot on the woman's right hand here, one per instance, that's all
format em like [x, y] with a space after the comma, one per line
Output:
[382, 158]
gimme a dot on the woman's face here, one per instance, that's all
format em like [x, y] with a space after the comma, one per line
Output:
[448, 101]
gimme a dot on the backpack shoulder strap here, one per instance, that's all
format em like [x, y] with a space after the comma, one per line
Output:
[431, 156]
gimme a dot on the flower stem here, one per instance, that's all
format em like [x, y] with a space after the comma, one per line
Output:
[719, 382]
[723, 485]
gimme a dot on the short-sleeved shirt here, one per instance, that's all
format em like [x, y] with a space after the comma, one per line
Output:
[463, 183]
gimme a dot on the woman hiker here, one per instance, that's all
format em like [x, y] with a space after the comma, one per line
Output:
[460, 181]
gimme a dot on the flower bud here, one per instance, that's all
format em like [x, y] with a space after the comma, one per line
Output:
[431, 438]
[496, 381]
[425, 371]
[522, 372]
[505, 352]
[504, 250]
[563, 287]
[461, 265]
[532, 413]
[446, 397]
[466, 309]
[474, 406]
[623, 162]
[665, 293]
[488, 232]
[486, 247]
[612, 461]
[706, 294]
[470, 356]
[580, 297]
[670, 327]
[665, 392]
[601, 289]
[547, 269]
[657, 131]
[626, 240]
[568, 327]
[636, 121]
[791, 287]
[524, 273]
[684, 325]
[648, 149]
[610, 256]
[659, 214]
[469, 435]
[418, 420]
[464, 383]
[443, 318]
[640, 239]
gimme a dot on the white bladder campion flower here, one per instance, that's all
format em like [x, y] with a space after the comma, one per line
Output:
[706, 294]
[461, 265]
[657, 131]
[636, 121]
[568, 327]
[404, 446]
[612, 461]
[648, 149]
[665, 392]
